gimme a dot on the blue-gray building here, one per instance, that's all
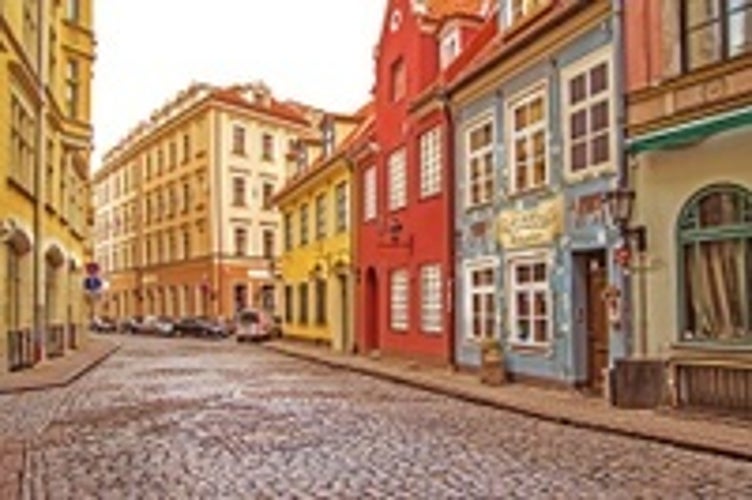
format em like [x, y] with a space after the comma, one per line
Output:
[537, 146]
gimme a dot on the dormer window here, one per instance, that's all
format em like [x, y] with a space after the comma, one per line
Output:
[516, 10]
[450, 48]
[328, 137]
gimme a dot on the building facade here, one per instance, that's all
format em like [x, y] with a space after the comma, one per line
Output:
[316, 262]
[403, 250]
[184, 219]
[689, 83]
[536, 148]
[46, 59]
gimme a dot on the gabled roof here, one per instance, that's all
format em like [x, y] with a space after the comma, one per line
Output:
[234, 96]
[364, 115]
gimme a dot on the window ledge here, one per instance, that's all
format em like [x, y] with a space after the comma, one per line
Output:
[530, 349]
[710, 346]
[540, 191]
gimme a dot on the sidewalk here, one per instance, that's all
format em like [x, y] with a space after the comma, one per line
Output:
[60, 371]
[560, 406]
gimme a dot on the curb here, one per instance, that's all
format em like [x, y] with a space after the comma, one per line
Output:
[68, 378]
[527, 412]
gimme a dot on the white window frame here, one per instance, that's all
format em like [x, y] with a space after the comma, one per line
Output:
[431, 161]
[479, 154]
[431, 298]
[529, 257]
[603, 55]
[397, 179]
[529, 7]
[524, 98]
[472, 266]
[450, 47]
[399, 300]
[370, 194]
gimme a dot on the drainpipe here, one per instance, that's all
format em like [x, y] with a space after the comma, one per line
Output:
[40, 148]
[449, 206]
[617, 7]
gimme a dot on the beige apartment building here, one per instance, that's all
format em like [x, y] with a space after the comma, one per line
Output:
[183, 218]
[46, 59]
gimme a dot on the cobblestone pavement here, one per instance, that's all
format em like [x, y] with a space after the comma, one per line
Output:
[191, 419]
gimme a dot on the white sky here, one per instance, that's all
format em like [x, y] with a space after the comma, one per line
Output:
[315, 51]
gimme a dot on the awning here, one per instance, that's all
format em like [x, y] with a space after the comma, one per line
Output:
[690, 133]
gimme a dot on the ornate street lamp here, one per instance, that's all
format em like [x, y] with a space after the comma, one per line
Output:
[619, 205]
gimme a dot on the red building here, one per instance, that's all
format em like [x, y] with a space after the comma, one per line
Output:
[404, 183]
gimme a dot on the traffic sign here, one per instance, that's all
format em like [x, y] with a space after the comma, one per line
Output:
[93, 284]
[92, 268]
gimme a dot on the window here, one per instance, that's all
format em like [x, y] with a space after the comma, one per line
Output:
[715, 266]
[288, 304]
[530, 308]
[398, 300]
[267, 147]
[328, 137]
[288, 232]
[450, 48]
[186, 196]
[713, 30]
[238, 192]
[320, 216]
[73, 10]
[241, 241]
[160, 160]
[515, 10]
[267, 239]
[148, 166]
[186, 244]
[320, 302]
[303, 303]
[186, 148]
[430, 298]
[587, 116]
[430, 162]
[267, 192]
[238, 140]
[480, 308]
[340, 200]
[369, 194]
[22, 152]
[399, 80]
[304, 224]
[173, 152]
[528, 151]
[72, 88]
[480, 161]
[397, 180]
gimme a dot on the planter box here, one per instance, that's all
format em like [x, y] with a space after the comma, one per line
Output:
[638, 383]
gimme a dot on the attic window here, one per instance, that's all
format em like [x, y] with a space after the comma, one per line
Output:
[450, 48]
[516, 10]
[399, 80]
[395, 20]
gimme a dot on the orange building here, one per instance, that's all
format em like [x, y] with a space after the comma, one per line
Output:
[184, 223]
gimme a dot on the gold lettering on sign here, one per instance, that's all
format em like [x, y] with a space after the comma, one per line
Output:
[534, 227]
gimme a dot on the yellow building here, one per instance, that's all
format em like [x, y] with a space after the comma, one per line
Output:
[46, 58]
[316, 261]
[184, 224]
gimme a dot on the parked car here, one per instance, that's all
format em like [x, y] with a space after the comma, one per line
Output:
[134, 324]
[202, 327]
[103, 324]
[164, 326]
[253, 325]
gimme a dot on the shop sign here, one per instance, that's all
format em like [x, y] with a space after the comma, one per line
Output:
[533, 227]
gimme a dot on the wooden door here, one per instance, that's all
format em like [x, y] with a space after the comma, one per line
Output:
[597, 320]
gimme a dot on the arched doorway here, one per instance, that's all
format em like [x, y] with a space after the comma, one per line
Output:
[54, 290]
[371, 317]
[17, 288]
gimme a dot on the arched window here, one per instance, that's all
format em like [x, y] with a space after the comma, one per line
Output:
[715, 265]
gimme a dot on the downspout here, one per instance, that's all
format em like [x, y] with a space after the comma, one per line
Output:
[351, 336]
[449, 207]
[619, 58]
[40, 149]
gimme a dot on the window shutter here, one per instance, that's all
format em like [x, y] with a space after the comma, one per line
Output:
[670, 38]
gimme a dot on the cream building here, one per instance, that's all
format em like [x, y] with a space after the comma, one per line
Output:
[184, 223]
[46, 58]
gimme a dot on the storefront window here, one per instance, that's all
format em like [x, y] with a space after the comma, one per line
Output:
[715, 241]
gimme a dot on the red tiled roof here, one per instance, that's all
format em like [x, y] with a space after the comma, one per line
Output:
[440, 9]
[233, 96]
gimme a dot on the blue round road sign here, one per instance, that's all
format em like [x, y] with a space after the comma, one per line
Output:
[93, 283]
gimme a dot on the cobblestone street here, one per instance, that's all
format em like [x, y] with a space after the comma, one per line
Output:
[192, 419]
